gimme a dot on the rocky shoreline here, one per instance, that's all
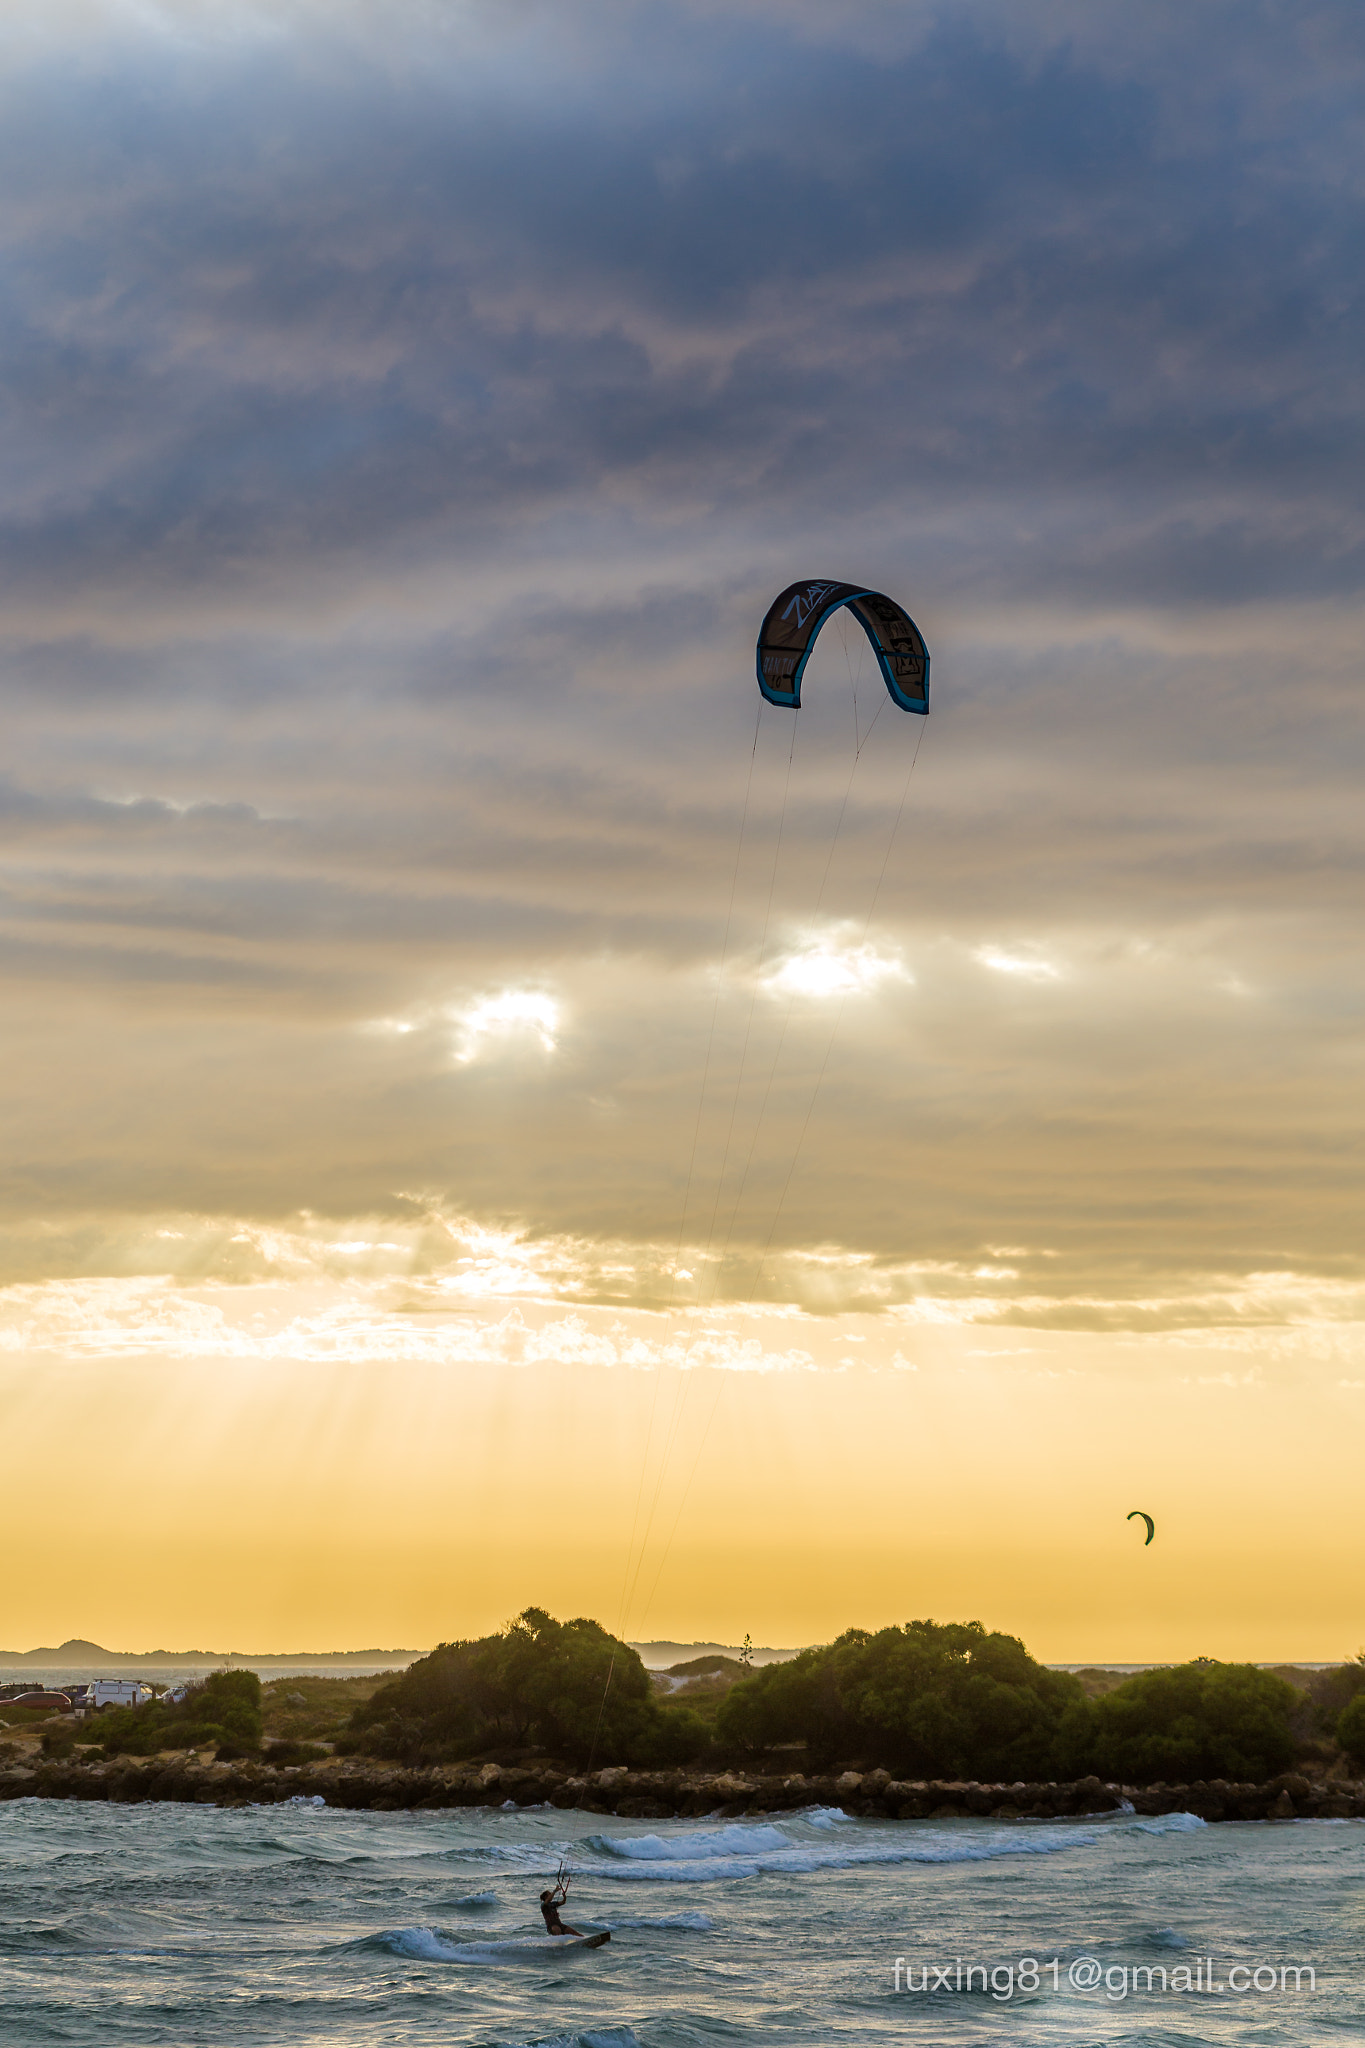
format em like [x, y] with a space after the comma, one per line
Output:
[661, 1795]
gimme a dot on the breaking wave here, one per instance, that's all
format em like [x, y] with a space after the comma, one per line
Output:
[708, 1855]
[705, 1845]
[430, 1945]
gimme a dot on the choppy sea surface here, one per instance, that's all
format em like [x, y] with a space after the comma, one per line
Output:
[305, 1925]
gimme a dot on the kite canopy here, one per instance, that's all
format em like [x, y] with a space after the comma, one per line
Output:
[1138, 1516]
[794, 619]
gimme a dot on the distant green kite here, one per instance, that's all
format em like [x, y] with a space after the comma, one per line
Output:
[1137, 1515]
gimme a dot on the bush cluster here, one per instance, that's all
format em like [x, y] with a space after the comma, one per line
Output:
[1199, 1720]
[928, 1699]
[223, 1711]
[951, 1700]
[566, 1687]
[1338, 1698]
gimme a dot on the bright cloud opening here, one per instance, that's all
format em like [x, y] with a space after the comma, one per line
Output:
[821, 971]
[511, 1014]
[1027, 966]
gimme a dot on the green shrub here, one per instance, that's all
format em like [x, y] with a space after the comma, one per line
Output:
[1350, 1728]
[294, 1753]
[1200, 1720]
[223, 1711]
[311, 1709]
[931, 1699]
[567, 1687]
[1333, 1691]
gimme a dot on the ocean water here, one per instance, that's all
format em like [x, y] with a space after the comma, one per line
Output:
[316, 1928]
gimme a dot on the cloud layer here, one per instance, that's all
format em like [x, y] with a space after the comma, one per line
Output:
[409, 420]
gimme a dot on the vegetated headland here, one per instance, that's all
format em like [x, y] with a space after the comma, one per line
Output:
[927, 1720]
[78, 1655]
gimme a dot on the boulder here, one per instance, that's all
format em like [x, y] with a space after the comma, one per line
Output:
[730, 1787]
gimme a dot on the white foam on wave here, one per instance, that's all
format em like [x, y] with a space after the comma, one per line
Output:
[425, 1945]
[687, 1859]
[821, 1839]
[705, 1845]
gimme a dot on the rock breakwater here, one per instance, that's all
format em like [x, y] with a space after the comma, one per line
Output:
[662, 1795]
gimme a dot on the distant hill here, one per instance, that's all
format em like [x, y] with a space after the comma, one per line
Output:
[77, 1654]
[660, 1656]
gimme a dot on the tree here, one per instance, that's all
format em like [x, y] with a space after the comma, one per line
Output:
[568, 1687]
[932, 1698]
[1350, 1728]
[1199, 1720]
[1333, 1691]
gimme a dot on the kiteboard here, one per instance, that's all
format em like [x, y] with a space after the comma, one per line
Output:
[593, 1940]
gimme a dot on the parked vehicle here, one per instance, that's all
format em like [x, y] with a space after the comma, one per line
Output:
[119, 1692]
[55, 1702]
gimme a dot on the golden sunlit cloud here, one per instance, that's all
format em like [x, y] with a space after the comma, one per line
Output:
[511, 1015]
[820, 970]
[1027, 967]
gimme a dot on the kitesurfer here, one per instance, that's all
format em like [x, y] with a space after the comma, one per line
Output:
[550, 1903]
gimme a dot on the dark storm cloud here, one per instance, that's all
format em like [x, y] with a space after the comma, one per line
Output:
[269, 307]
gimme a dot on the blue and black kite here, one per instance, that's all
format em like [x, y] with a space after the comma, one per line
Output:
[789, 631]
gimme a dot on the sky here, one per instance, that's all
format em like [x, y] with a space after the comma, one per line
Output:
[493, 1113]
